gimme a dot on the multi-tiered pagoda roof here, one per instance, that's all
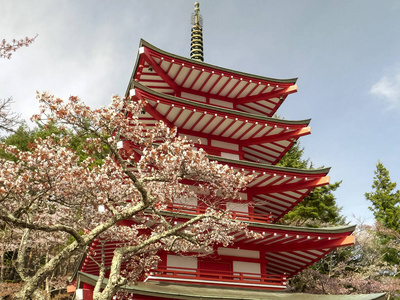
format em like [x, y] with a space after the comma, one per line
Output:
[248, 141]
[230, 115]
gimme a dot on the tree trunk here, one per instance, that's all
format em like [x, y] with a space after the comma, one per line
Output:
[2, 266]
[31, 284]
[47, 283]
[115, 280]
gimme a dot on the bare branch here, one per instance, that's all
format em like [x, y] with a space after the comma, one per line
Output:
[8, 119]
[7, 217]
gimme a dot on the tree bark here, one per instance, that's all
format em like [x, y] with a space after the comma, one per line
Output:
[31, 284]
[115, 280]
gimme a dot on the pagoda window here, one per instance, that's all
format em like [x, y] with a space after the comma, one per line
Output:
[248, 268]
[243, 196]
[237, 207]
[185, 205]
[232, 252]
[181, 263]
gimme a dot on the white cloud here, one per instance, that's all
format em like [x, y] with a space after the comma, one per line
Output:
[388, 88]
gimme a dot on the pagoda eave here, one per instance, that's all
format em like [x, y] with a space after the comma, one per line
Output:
[148, 93]
[143, 43]
[289, 90]
[176, 75]
[256, 138]
[262, 167]
[288, 249]
[272, 138]
[310, 184]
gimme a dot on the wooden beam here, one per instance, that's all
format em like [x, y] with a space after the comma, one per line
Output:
[289, 90]
[309, 184]
[152, 111]
[311, 245]
[277, 137]
[149, 59]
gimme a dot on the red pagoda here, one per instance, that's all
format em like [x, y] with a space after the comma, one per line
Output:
[230, 115]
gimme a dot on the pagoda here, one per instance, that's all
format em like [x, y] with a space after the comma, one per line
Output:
[230, 115]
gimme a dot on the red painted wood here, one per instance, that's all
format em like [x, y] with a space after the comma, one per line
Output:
[195, 80]
[285, 243]
[232, 89]
[212, 265]
[241, 91]
[213, 85]
[159, 70]
[269, 95]
[218, 277]
[286, 135]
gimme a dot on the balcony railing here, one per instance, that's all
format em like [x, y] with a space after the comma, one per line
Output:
[196, 210]
[222, 278]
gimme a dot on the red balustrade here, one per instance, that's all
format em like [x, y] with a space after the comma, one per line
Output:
[251, 280]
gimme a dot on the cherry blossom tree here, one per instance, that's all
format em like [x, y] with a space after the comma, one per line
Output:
[52, 196]
[8, 48]
[358, 269]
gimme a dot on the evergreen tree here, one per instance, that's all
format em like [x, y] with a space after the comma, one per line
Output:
[385, 199]
[386, 208]
[24, 136]
[294, 158]
[319, 208]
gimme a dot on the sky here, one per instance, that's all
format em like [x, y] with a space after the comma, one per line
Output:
[345, 54]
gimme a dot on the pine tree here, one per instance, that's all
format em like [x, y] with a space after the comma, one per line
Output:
[319, 208]
[385, 199]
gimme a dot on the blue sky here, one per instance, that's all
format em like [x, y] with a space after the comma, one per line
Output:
[346, 55]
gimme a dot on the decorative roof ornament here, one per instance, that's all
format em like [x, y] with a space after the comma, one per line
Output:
[196, 45]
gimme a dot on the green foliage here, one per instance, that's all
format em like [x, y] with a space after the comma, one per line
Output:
[319, 208]
[385, 199]
[294, 158]
[20, 138]
[24, 136]
[386, 208]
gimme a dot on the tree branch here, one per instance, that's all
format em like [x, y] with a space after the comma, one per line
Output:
[7, 217]
[20, 263]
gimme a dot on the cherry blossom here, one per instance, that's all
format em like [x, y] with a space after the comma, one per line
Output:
[7, 49]
[51, 192]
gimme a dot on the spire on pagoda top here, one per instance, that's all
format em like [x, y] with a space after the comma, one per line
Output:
[196, 45]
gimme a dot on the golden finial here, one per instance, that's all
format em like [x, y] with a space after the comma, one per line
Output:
[196, 47]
